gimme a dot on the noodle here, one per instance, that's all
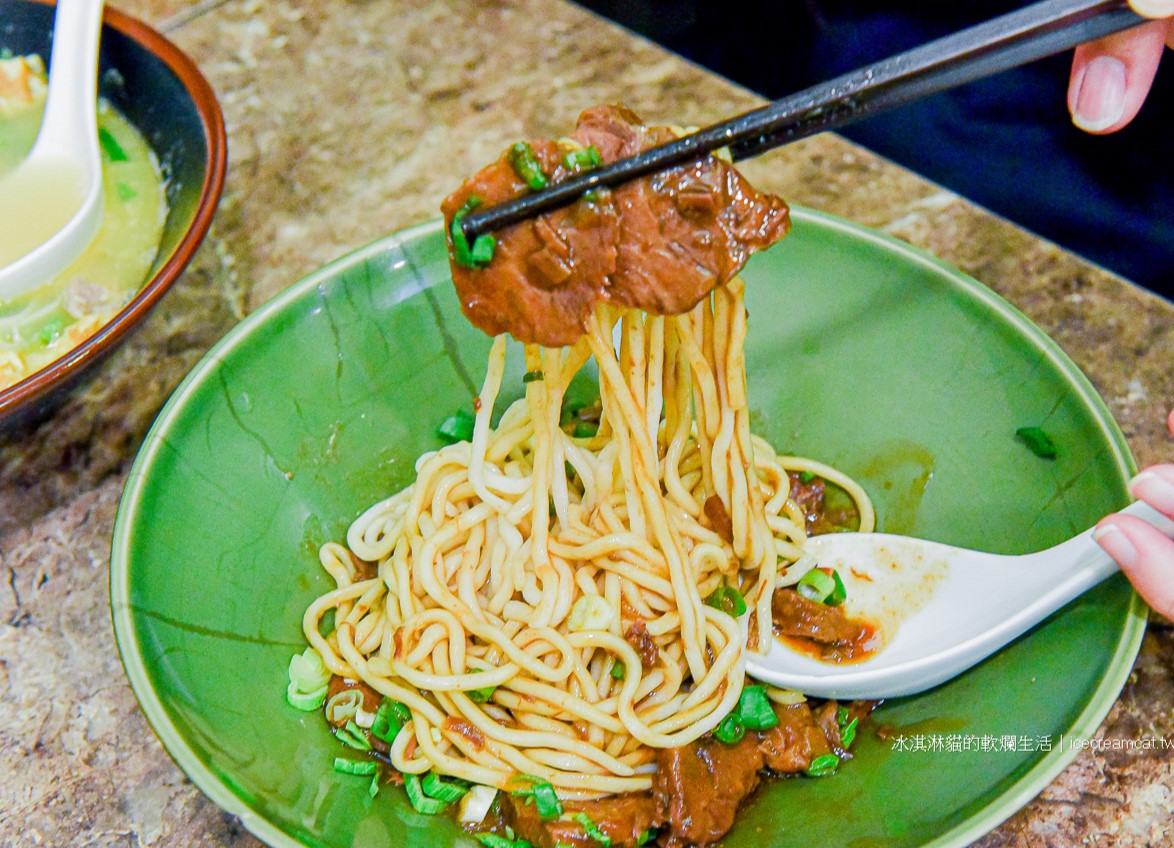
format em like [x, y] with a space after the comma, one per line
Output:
[514, 559]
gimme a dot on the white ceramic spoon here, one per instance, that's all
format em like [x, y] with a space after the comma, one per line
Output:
[971, 604]
[51, 204]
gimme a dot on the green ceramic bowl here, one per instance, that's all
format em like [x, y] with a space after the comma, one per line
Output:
[863, 352]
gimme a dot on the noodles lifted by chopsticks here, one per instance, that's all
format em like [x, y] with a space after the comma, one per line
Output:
[539, 600]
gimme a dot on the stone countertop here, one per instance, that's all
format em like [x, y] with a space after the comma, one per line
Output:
[348, 120]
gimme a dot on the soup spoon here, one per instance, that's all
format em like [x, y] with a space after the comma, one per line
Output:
[51, 203]
[966, 605]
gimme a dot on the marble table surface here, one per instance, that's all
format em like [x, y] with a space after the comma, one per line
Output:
[347, 120]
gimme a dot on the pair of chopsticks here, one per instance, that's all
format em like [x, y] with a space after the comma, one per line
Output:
[1005, 42]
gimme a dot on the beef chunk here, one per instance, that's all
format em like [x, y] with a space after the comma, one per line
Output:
[792, 744]
[622, 817]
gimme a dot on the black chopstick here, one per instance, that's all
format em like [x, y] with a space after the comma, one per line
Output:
[1023, 36]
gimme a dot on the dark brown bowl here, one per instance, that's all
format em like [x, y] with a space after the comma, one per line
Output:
[160, 90]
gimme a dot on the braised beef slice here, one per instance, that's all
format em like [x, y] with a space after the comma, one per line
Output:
[622, 817]
[792, 744]
[719, 517]
[660, 244]
[642, 643]
[700, 785]
[795, 615]
[547, 273]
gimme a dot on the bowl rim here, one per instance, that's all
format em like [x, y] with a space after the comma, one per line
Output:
[44, 380]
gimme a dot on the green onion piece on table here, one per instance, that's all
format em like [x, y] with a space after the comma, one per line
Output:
[363, 767]
[823, 766]
[1039, 442]
[526, 166]
[420, 802]
[727, 599]
[458, 427]
[309, 679]
[352, 736]
[305, 701]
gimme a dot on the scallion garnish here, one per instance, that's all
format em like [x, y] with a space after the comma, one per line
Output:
[755, 710]
[526, 166]
[584, 159]
[309, 679]
[617, 670]
[420, 802]
[822, 585]
[373, 789]
[531, 376]
[593, 830]
[585, 430]
[727, 599]
[806, 476]
[1039, 442]
[481, 252]
[389, 721]
[442, 790]
[111, 147]
[363, 767]
[352, 736]
[543, 794]
[848, 733]
[482, 695]
[823, 766]
[648, 835]
[492, 840]
[730, 729]
[458, 427]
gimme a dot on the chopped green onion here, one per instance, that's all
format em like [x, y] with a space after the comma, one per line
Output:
[326, 623]
[585, 429]
[373, 789]
[442, 790]
[352, 736]
[543, 794]
[526, 166]
[51, 330]
[727, 599]
[1038, 441]
[343, 705]
[730, 730]
[586, 159]
[481, 251]
[806, 476]
[848, 734]
[648, 835]
[823, 586]
[309, 679]
[110, 146]
[458, 427]
[754, 709]
[125, 192]
[617, 670]
[304, 701]
[492, 840]
[823, 766]
[388, 722]
[593, 830]
[531, 376]
[481, 696]
[363, 767]
[420, 802]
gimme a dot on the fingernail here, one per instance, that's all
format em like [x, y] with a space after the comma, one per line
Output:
[1100, 94]
[1153, 488]
[1116, 544]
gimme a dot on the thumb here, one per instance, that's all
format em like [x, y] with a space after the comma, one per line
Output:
[1112, 76]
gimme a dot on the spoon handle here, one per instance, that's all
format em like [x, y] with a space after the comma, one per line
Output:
[73, 74]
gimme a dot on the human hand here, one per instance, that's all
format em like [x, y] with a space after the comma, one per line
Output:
[1112, 76]
[1143, 552]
